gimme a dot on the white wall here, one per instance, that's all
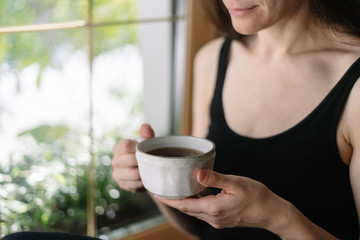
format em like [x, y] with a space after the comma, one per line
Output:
[155, 47]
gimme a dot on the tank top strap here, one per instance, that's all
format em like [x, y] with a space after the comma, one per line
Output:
[345, 84]
[222, 65]
[216, 109]
[340, 93]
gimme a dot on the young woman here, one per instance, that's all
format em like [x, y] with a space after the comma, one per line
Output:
[280, 98]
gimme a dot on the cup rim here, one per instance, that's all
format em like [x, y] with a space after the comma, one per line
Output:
[212, 149]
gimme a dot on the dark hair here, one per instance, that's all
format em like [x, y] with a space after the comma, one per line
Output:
[337, 15]
[220, 18]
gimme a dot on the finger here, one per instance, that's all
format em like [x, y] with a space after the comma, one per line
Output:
[124, 161]
[126, 181]
[146, 131]
[124, 146]
[131, 186]
[201, 216]
[190, 205]
[204, 209]
[127, 174]
[209, 178]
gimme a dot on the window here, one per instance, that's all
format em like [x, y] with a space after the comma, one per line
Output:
[76, 76]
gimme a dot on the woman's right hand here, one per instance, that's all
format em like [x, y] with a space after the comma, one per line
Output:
[124, 163]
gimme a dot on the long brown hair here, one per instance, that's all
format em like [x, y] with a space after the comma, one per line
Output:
[337, 15]
[220, 17]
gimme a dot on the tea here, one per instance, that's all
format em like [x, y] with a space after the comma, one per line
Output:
[174, 152]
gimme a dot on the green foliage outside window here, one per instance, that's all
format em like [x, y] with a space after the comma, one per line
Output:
[44, 187]
[26, 49]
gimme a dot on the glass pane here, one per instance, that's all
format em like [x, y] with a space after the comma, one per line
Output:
[26, 12]
[109, 38]
[115, 10]
[154, 8]
[123, 10]
[44, 122]
[118, 113]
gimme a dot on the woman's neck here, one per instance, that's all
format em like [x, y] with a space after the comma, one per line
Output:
[290, 35]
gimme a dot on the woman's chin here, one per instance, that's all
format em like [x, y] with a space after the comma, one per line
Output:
[243, 31]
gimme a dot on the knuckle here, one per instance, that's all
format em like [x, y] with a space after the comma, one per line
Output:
[117, 178]
[182, 209]
[134, 174]
[116, 147]
[115, 174]
[124, 161]
[212, 178]
[137, 174]
[123, 146]
[130, 160]
[127, 146]
[215, 211]
[217, 225]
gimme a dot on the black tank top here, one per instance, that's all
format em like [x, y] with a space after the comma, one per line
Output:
[301, 164]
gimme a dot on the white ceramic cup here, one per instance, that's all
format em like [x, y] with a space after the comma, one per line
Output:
[174, 177]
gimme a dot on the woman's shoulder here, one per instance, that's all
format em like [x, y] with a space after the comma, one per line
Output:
[206, 62]
[209, 52]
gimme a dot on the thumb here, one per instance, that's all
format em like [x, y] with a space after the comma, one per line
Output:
[146, 131]
[209, 178]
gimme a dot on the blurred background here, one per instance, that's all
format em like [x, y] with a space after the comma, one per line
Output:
[75, 77]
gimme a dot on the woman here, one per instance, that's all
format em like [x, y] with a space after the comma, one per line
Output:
[280, 98]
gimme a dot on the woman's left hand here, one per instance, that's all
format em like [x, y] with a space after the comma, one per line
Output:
[243, 202]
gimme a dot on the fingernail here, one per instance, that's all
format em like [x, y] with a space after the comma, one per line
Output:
[201, 175]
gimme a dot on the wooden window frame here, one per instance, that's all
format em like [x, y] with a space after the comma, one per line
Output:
[199, 32]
